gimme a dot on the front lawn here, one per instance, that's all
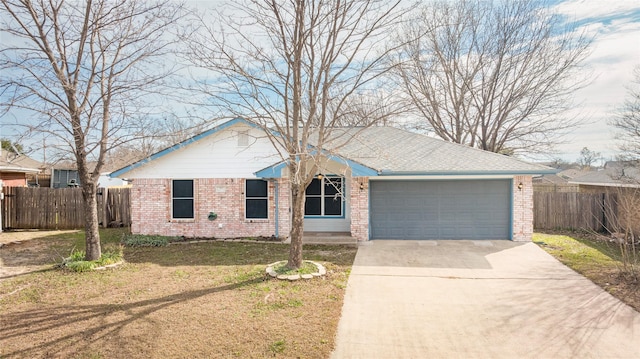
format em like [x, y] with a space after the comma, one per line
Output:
[595, 259]
[190, 300]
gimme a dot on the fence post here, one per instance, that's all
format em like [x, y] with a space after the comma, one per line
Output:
[105, 201]
[1, 203]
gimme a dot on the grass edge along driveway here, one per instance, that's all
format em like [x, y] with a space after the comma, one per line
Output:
[595, 259]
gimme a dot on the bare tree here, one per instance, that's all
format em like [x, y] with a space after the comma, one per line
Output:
[83, 72]
[627, 123]
[293, 67]
[491, 74]
[588, 158]
[377, 109]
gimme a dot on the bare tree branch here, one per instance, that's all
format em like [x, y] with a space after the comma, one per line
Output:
[492, 75]
[295, 67]
[82, 72]
[627, 122]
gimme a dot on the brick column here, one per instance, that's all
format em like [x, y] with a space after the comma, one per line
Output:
[359, 204]
[522, 208]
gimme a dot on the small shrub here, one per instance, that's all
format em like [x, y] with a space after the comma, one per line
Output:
[140, 240]
[76, 263]
[306, 268]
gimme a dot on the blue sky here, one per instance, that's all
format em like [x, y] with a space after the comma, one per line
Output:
[615, 26]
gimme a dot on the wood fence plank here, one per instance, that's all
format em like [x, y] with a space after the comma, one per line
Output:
[61, 208]
[566, 210]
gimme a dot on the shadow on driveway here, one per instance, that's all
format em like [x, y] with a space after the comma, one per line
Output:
[471, 299]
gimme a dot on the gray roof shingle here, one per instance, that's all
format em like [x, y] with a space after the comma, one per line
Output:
[612, 175]
[392, 150]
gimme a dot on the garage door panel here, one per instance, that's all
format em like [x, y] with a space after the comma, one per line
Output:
[440, 209]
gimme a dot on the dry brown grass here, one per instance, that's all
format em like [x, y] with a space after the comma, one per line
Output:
[183, 301]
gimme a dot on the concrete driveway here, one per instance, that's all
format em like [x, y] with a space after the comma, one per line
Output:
[477, 299]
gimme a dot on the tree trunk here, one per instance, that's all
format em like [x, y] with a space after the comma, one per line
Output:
[93, 250]
[297, 226]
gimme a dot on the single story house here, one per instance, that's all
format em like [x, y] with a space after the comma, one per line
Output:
[16, 168]
[385, 183]
[621, 178]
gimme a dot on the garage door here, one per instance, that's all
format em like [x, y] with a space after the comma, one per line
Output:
[478, 209]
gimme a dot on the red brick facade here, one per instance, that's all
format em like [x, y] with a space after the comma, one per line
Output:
[522, 208]
[13, 179]
[151, 209]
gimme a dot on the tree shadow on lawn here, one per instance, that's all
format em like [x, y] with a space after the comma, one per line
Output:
[235, 253]
[36, 248]
[90, 323]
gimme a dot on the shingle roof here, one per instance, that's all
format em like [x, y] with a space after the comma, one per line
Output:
[391, 150]
[12, 162]
[613, 176]
[388, 151]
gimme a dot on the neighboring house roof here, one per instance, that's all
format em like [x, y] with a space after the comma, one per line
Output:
[614, 174]
[11, 162]
[573, 173]
[376, 151]
[551, 179]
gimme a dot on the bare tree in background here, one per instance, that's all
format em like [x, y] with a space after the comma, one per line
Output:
[491, 74]
[588, 158]
[627, 123]
[83, 72]
[293, 67]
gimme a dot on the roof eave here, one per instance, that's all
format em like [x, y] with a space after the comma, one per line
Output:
[18, 169]
[357, 169]
[607, 184]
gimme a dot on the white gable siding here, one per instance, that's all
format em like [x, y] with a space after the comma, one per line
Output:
[216, 156]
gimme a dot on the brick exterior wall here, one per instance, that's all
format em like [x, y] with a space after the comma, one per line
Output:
[522, 208]
[151, 210]
[359, 205]
[13, 179]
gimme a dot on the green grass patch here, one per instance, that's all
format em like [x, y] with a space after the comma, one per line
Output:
[140, 240]
[77, 263]
[306, 268]
[278, 346]
[579, 254]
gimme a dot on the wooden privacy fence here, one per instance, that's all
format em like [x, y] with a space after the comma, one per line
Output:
[557, 210]
[62, 208]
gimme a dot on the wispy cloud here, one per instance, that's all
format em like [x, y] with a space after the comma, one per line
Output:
[615, 27]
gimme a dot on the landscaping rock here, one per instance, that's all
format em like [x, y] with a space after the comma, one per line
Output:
[294, 277]
[306, 276]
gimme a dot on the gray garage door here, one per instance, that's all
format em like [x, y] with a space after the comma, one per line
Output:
[477, 209]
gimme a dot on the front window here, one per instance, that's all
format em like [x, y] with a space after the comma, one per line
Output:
[182, 199]
[324, 197]
[257, 199]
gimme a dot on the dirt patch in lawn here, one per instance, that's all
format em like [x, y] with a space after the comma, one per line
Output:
[28, 251]
[594, 258]
[198, 300]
